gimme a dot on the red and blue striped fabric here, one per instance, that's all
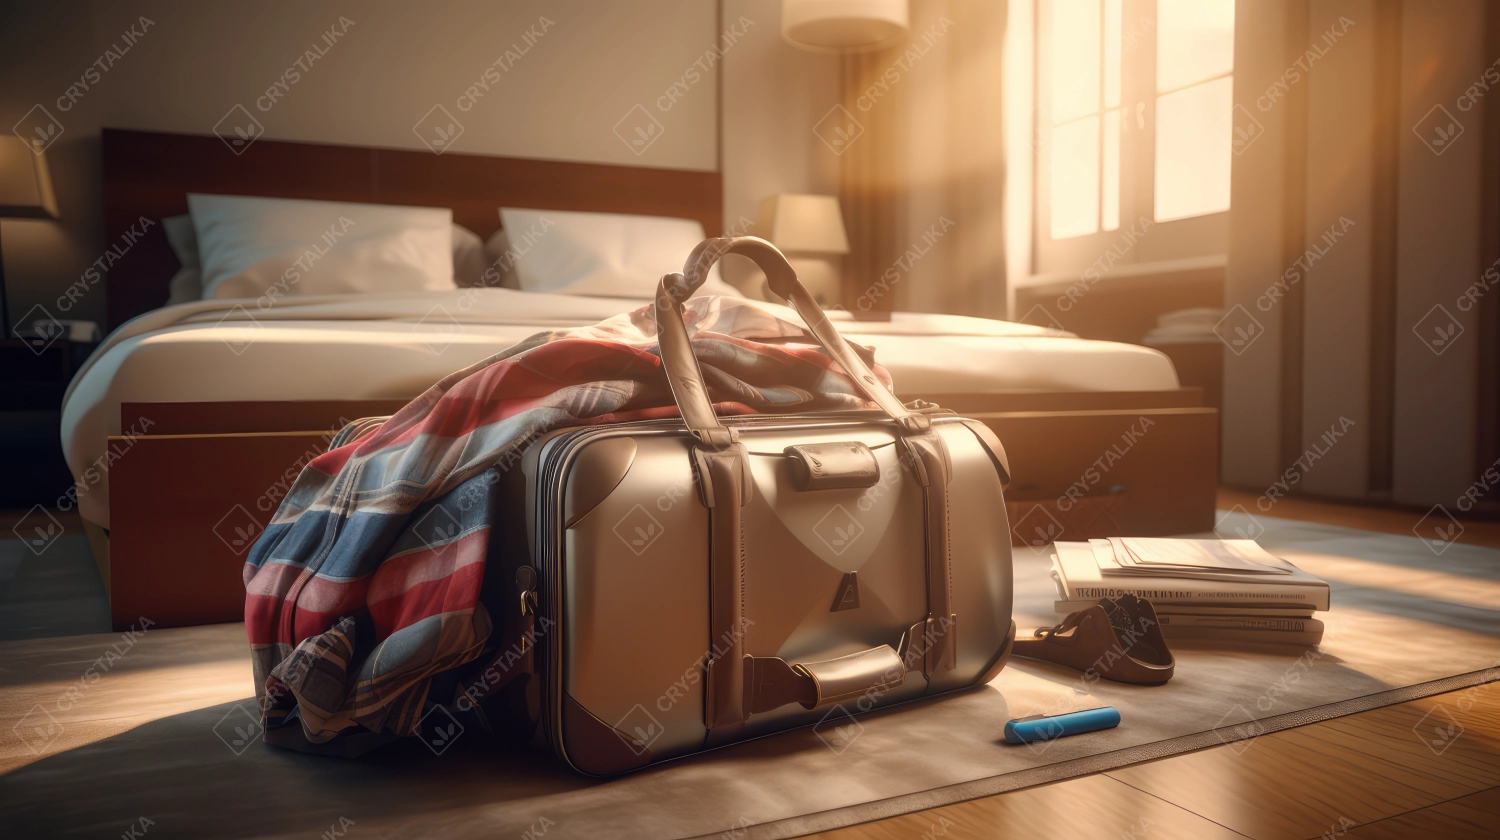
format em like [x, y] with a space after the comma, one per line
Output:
[367, 582]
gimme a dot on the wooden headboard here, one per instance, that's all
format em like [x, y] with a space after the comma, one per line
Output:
[149, 174]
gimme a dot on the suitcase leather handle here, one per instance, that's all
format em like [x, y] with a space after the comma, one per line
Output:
[772, 683]
[676, 288]
[722, 466]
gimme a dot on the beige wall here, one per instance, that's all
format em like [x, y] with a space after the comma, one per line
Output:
[561, 99]
[773, 95]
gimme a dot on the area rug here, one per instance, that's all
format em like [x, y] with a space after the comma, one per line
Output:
[154, 736]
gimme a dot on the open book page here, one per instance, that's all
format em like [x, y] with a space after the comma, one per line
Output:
[1089, 571]
[1173, 555]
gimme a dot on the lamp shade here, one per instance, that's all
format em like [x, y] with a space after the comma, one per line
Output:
[844, 25]
[804, 224]
[25, 185]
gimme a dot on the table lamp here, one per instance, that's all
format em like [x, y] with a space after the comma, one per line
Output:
[809, 229]
[25, 193]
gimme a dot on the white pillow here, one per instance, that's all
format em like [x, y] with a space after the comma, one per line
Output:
[468, 257]
[187, 283]
[501, 262]
[275, 247]
[603, 254]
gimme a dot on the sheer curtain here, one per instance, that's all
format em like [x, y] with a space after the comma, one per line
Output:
[923, 183]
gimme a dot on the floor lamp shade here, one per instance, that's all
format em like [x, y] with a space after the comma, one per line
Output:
[844, 25]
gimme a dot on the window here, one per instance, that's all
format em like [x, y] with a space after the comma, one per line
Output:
[1194, 92]
[1133, 99]
[1084, 104]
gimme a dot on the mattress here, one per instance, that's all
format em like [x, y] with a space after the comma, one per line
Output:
[395, 345]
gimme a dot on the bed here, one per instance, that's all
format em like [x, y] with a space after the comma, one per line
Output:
[195, 417]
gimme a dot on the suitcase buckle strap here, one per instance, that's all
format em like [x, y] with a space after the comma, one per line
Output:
[724, 481]
[717, 437]
[914, 424]
[933, 466]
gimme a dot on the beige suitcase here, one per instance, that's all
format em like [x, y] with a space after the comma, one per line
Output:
[681, 585]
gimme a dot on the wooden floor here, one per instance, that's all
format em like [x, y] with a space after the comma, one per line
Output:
[1360, 777]
[57, 592]
[1385, 773]
[1384, 519]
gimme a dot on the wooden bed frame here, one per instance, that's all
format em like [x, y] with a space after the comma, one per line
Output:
[192, 495]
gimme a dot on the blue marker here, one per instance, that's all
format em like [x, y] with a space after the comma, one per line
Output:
[1049, 727]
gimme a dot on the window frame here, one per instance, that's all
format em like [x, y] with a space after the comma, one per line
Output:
[1139, 239]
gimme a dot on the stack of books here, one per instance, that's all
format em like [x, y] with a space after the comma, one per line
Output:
[1215, 590]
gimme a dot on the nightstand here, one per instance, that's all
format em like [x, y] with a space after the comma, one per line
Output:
[32, 384]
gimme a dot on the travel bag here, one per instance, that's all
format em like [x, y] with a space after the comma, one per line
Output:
[671, 586]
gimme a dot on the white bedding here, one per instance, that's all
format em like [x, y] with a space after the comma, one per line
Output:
[395, 345]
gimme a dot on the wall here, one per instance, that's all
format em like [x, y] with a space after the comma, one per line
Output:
[556, 89]
[773, 95]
